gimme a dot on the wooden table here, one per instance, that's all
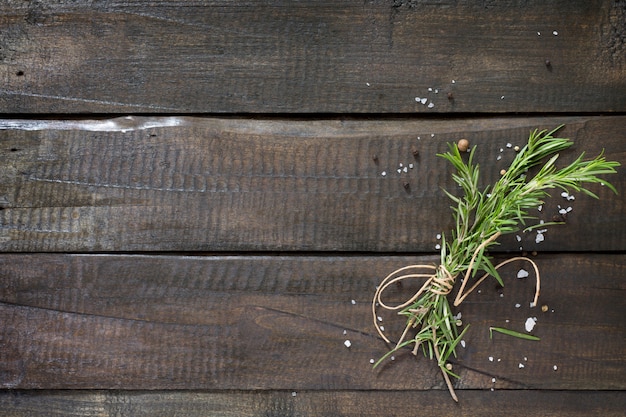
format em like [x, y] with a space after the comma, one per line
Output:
[198, 199]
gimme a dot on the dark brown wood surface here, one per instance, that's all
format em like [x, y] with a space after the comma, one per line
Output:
[280, 323]
[194, 216]
[312, 403]
[216, 184]
[316, 56]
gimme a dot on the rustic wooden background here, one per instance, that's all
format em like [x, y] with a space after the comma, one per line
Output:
[198, 198]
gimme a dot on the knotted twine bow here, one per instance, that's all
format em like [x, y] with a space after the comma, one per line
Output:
[440, 282]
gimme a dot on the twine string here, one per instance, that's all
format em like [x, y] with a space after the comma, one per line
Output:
[439, 281]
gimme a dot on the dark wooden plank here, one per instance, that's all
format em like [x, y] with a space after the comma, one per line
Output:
[313, 56]
[311, 403]
[280, 322]
[197, 184]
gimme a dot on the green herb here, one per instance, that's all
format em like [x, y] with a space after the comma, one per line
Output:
[482, 215]
[511, 333]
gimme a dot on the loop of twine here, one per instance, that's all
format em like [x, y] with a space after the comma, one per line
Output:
[438, 283]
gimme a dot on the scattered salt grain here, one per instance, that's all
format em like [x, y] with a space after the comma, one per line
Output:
[555, 367]
[423, 100]
[430, 89]
[538, 33]
[501, 97]
[379, 318]
[498, 157]
[530, 324]
[555, 33]
[405, 169]
[490, 358]
[411, 166]
[345, 332]
[493, 380]
[367, 84]
[453, 81]
[372, 361]
[501, 295]
[353, 302]
[540, 208]
[393, 358]
[525, 359]
[437, 246]
[518, 305]
[293, 394]
[518, 237]
[521, 365]
[522, 273]
[462, 343]
[382, 328]
[432, 135]
[417, 99]
[539, 238]
[384, 173]
[431, 105]
[438, 236]
[347, 343]
[564, 194]
[508, 145]
[492, 390]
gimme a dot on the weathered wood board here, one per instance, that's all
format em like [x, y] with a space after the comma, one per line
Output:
[311, 403]
[223, 184]
[317, 56]
[280, 323]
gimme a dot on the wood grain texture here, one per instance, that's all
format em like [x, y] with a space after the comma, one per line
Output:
[280, 322]
[310, 403]
[315, 56]
[222, 184]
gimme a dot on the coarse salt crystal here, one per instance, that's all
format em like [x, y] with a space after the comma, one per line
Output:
[293, 394]
[555, 33]
[490, 358]
[431, 105]
[384, 173]
[518, 237]
[430, 89]
[417, 99]
[498, 157]
[540, 208]
[518, 305]
[501, 97]
[555, 367]
[522, 273]
[530, 324]
[411, 166]
[463, 343]
[372, 361]
[347, 343]
[493, 380]
[521, 365]
[508, 145]
[438, 236]
[353, 301]
[564, 194]
[382, 328]
[539, 238]
[437, 246]
[345, 332]
[424, 100]
[379, 318]
[453, 81]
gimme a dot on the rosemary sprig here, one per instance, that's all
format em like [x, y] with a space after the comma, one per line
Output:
[481, 217]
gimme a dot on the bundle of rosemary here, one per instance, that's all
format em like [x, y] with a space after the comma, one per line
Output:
[481, 217]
